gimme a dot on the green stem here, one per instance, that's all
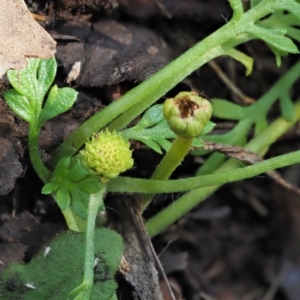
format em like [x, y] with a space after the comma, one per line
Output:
[258, 145]
[73, 221]
[83, 291]
[37, 163]
[169, 163]
[173, 158]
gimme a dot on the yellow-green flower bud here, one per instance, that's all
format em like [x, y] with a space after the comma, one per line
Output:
[187, 114]
[108, 154]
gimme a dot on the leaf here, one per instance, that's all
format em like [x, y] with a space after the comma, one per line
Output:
[46, 74]
[152, 116]
[79, 202]
[49, 188]
[246, 60]
[62, 198]
[19, 104]
[287, 107]
[56, 274]
[208, 128]
[58, 101]
[274, 37]
[62, 168]
[77, 171]
[89, 185]
[224, 109]
[25, 82]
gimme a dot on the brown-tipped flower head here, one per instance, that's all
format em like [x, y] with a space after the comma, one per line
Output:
[108, 154]
[187, 114]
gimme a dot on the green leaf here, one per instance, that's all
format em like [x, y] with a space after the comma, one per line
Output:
[62, 198]
[49, 188]
[46, 74]
[58, 102]
[287, 107]
[79, 203]
[62, 168]
[89, 185]
[25, 81]
[208, 128]
[77, 171]
[246, 60]
[274, 37]
[19, 104]
[227, 110]
[152, 116]
[54, 275]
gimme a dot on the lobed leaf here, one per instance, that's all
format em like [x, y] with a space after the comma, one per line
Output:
[19, 104]
[274, 37]
[58, 102]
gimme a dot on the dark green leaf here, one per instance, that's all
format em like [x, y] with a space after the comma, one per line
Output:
[19, 104]
[77, 171]
[62, 198]
[58, 102]
[49, 188]
[62, 168]
[79, 203]
[89, 185]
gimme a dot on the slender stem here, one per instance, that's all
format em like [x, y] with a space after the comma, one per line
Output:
[37, 163]
[258, 145]
[169, 163]
[89, 257]
[173, 158]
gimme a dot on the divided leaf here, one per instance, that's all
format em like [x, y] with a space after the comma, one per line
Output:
[74, 185]
[274, 37]
[19, 104]
[54, 275]
[58, 102]
[154, 131]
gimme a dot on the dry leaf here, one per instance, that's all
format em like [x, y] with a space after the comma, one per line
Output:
[21, 37]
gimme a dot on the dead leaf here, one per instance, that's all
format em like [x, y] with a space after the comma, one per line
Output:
[250, 157]
[21, 37]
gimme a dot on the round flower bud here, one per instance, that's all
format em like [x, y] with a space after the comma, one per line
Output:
[187, 114]
[107, 154]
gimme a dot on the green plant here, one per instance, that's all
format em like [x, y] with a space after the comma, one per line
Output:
[79, 191]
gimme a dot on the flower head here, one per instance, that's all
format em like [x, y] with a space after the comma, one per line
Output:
[107, 154]
[187, 114]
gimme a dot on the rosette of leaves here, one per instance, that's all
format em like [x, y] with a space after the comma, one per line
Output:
[72, 184]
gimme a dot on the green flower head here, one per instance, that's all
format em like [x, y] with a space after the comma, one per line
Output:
[187, 114]
[108, 154]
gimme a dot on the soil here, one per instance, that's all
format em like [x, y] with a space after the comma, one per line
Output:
[242, 243]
